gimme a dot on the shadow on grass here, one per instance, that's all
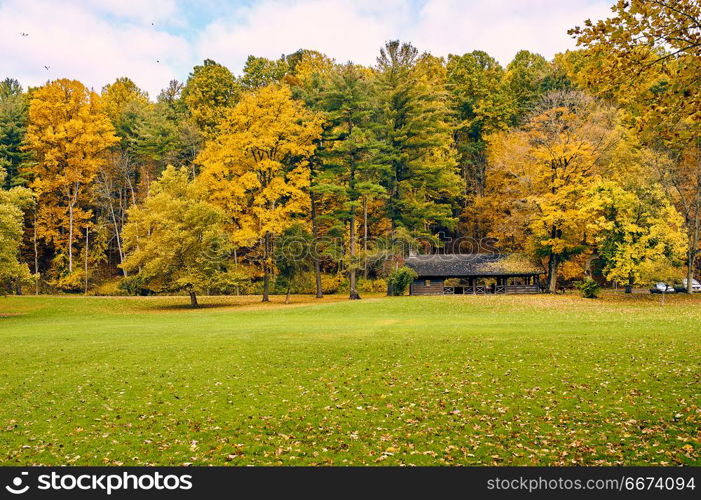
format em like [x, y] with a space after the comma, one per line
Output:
[188, 307]
[240, 303]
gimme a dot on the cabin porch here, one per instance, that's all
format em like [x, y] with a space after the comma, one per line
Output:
[501, 285]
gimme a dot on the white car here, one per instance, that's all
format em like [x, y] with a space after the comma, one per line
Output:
[662, 288]
[695, 286]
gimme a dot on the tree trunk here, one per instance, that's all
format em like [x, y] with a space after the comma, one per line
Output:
[266, 285]
[36, 256]
[690, 272]
[365, 237]
[87, 243]
[287, 297]
[70, 237]
[352, 237]
[315, 256]
[552, 273]
[691, 257]
[629, 285]
[118, 238]
[317, 278]
[266, 268]
[354, 295]
[694, 243]
[236, 263]
[193, 299]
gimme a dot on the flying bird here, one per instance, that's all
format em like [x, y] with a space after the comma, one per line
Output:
[24, 34]
[47, 68]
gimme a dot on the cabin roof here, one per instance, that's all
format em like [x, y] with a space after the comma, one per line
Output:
[470, 265]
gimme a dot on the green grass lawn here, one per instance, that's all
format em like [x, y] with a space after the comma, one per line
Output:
[503, 380]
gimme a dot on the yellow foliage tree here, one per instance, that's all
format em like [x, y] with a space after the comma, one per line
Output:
[118, 95]
[68, 134]
[210, 91]
[540, 173]
[647, 56]
[177, 240]
[639, 237]
[308, 65]
[257, 169]
[13, 202]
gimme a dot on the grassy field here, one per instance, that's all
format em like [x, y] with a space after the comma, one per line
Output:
[503, 380]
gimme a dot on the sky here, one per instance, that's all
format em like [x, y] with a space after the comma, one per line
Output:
[154, 41]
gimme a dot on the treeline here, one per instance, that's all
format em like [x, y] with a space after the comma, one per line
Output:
[589, 163]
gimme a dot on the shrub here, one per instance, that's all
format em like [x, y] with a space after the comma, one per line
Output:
[109, 288]
[71, 282]
[372, 286]
[589, 288]
[134, 285]
[332, 283]
[399, 280]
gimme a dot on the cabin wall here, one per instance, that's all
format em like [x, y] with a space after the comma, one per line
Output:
[427, 286]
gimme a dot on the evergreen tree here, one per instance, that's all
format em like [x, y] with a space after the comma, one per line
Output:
[416, 141]
[481, 105]
[350, 158]
[13, 127]
[310, 75]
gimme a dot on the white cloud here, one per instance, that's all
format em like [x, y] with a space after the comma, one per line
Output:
[346, 29]
[342, 29]
[502, 27]
[97, 41]
[145, 11]
[81, 43]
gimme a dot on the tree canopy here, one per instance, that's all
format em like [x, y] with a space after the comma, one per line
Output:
[589, 163]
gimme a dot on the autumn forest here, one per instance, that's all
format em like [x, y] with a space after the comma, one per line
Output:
[308, 174]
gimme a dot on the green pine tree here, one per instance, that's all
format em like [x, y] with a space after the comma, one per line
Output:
[416, 138]
[13, 125]
[351, 169]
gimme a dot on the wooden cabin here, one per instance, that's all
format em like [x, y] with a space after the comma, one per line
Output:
[477, 273]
